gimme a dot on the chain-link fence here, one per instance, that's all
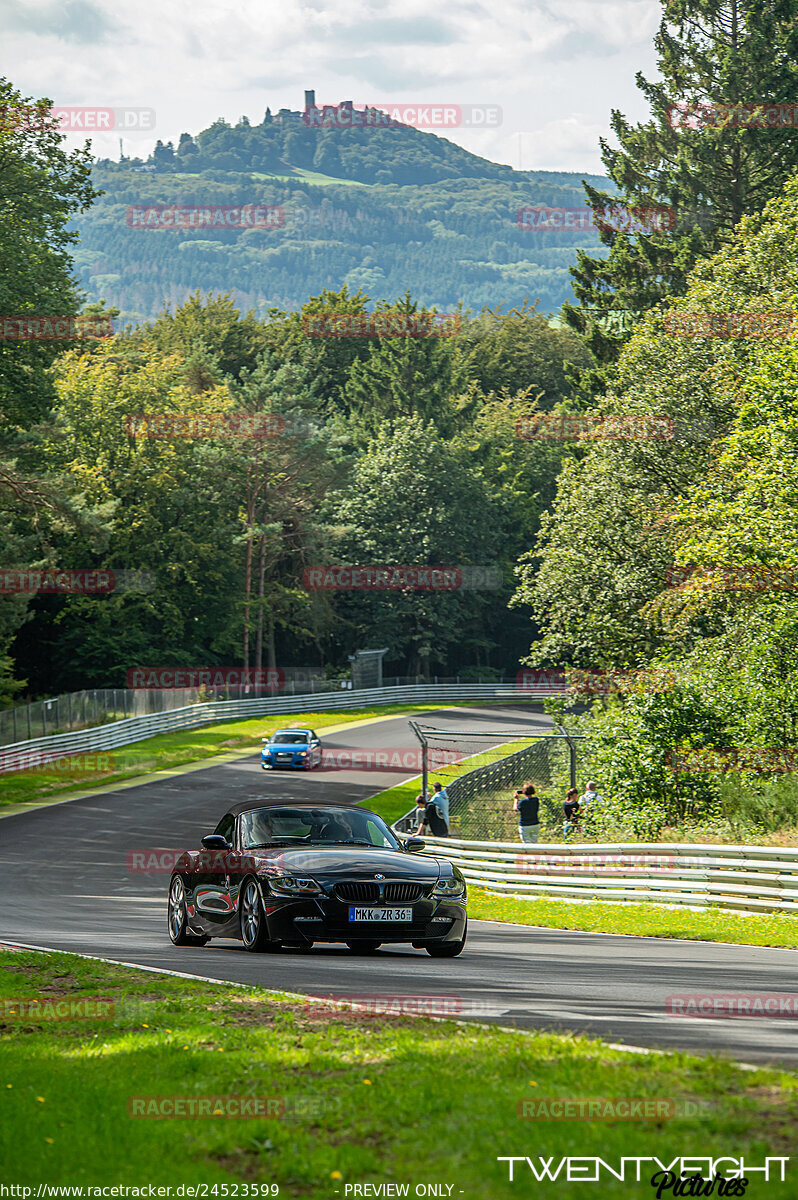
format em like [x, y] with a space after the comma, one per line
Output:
[480, 779]
[481, 801]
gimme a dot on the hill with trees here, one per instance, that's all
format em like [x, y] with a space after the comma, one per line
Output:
[389, 210]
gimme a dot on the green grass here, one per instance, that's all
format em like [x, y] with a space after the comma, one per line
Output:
[640, 920]
[394, 802]
[171, 750]
[367, 1099]
[302, 175]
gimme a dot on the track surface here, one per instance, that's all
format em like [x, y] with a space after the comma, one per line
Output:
[64, 883]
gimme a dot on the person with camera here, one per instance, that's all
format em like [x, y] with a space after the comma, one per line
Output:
[526, 804]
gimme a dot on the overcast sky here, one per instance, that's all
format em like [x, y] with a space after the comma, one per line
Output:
[555, 69]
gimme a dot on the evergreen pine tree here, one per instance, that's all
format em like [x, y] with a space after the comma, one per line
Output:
[706, 168]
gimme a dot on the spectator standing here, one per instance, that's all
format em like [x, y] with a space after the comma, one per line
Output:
[571, 811]
[526, 804]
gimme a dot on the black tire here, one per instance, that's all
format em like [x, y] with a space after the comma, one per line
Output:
[177, 917]
[363, 947]
[448, 949]
[252, 919]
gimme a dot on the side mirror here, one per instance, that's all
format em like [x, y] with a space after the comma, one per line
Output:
[215, 841]
[412, 845]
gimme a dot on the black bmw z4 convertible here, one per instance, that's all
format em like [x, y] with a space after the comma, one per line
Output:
[290, 873]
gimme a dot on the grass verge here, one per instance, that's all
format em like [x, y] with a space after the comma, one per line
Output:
[169, 750]
[639, 920]
[356, 1099]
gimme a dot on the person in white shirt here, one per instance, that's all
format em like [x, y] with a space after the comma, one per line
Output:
[590, 796]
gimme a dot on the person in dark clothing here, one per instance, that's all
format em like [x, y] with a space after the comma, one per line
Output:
[433, 819]
[571, 811]
[526, 804]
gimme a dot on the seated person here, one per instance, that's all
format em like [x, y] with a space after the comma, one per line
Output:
[337, 830]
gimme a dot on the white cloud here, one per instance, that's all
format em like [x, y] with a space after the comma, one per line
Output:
[555, 69]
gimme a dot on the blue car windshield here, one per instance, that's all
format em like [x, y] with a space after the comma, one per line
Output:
[289, 739]
[317, 826]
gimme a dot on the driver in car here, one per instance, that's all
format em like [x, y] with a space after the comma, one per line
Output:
[261, 830]
[337, 830]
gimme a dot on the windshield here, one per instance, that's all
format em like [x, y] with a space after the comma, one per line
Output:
[288, 739]
[288, 826]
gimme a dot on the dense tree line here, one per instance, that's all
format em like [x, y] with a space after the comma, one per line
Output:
[422, 427]
[450, 242]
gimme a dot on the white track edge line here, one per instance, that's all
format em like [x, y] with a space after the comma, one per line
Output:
[117, 962]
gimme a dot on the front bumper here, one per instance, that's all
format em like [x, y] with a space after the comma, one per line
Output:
[284, 761]
[327, 920]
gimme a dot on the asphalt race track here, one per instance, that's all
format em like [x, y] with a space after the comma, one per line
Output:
[65, 883]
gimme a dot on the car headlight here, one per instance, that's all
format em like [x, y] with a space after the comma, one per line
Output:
[303, 753]
[293, 885]
[450, 887]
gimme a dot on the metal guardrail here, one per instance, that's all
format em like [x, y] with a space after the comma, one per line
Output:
[751, 879]
[73, 711]
[125, 732]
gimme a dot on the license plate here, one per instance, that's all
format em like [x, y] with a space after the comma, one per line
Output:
[380, 914]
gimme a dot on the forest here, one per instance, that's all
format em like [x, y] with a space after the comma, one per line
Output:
[652, 538]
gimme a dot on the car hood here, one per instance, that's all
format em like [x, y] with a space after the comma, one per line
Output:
[286, 746]
[348, 861]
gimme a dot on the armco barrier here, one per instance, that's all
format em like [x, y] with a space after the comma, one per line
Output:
[752, 879]
[136, 729]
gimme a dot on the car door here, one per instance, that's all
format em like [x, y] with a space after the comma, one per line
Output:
[239, 864]
[211, 887]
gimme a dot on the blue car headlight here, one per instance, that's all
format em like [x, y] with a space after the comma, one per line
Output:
[294, 885]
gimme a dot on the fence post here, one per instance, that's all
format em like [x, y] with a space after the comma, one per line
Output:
[571, 752]
[69, 709]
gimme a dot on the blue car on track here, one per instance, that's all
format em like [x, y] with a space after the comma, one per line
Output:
[290, 748]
